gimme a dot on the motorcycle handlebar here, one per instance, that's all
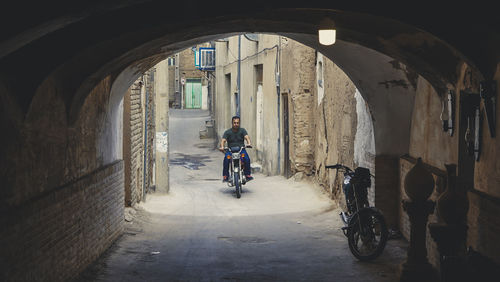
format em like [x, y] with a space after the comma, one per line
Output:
[337, 166]
[229, 149]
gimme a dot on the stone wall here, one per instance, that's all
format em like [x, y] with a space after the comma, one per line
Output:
[298, 77]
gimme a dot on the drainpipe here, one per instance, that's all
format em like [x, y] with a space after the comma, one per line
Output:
[277, 67]
[145, 141]
[239, 77]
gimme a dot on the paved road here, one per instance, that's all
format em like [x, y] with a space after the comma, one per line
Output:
[279, 230]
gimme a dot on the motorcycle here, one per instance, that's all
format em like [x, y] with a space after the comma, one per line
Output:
[364, 226]
[236, 167]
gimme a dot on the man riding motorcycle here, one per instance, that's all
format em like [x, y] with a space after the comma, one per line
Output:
[235, 136]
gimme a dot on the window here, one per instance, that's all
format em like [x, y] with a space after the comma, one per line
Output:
[206, 59]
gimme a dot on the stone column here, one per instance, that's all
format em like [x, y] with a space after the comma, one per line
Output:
[418, 185]
[450, 235]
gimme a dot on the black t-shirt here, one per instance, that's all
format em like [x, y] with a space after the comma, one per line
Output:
[235, 138]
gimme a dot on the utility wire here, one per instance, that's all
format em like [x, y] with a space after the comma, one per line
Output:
[250, 56]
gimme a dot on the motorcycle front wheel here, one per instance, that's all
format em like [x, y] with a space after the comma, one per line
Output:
[237, 185]
[367, 235]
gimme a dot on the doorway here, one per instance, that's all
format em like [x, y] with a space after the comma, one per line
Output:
[193, 93]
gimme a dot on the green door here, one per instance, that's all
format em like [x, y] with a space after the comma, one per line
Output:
[193, 94]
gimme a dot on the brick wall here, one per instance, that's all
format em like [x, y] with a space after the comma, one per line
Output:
[135, 112]
[58, 234]
[302, 120]
[133, 144]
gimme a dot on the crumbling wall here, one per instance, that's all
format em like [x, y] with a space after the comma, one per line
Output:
[335, 124]
[298, 63]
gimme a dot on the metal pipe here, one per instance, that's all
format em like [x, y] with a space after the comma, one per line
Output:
[239, 77]
[277, 67]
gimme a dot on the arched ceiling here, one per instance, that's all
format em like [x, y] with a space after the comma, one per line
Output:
[78, 43]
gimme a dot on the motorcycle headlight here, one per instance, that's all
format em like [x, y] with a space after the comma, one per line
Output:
[236, 156]
[347, 179]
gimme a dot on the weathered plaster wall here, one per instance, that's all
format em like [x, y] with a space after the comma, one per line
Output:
[223, 91]
[364, 141]
[298, 79]
[252, 54]
[322, 127]
[335, 126]
[489, 165]
[428, 140]
[484, 208]
[161, 104]
[437, 148]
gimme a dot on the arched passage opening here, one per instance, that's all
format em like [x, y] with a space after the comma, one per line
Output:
[98, 56]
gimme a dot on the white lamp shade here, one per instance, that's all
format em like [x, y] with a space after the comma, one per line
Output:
[327, 36]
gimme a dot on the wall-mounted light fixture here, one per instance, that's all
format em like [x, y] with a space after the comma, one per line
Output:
[326, 32]
[448, 113]
[488, 94]
[472, 113]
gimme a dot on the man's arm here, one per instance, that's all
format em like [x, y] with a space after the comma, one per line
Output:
[221, 147]
[247, 138]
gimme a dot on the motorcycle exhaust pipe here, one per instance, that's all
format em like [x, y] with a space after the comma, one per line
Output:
[343, 216]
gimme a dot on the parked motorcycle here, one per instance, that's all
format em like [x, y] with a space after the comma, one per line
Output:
[364, 226]
[236, 176]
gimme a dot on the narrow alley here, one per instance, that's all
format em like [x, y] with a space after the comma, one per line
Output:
[110, 113]
[279, 230]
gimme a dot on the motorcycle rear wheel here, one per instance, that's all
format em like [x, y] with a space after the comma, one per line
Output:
[368, 239]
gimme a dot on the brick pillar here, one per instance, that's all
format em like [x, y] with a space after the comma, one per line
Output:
[387, 188]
